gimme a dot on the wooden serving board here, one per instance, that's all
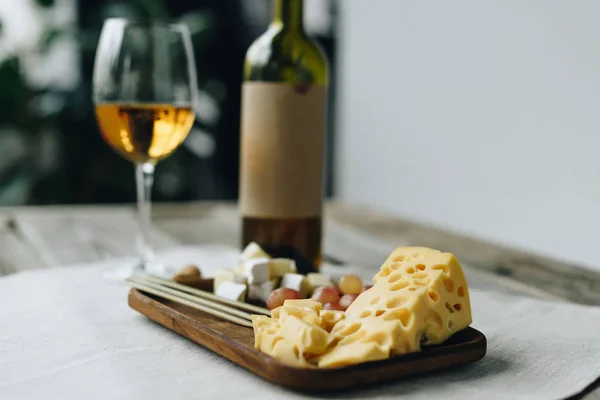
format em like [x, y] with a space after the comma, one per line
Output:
[236, 343]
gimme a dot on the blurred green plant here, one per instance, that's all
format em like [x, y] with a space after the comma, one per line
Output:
[50, 148]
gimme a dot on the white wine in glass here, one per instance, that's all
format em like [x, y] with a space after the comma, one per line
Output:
[144, 132]
[144, 91]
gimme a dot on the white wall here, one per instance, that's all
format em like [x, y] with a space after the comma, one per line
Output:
[478, 116]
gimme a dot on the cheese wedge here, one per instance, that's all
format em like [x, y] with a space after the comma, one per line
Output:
[420, 296]
[440, 281]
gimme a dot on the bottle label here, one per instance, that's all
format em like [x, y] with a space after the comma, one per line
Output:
[282, 149]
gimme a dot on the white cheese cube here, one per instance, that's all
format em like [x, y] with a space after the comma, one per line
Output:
[232, 291]
[239, 270]
[281, 266]
[297, 282]
[316, 280]
[251, 251]
[227, 275]
[257, 270]
[261, 291]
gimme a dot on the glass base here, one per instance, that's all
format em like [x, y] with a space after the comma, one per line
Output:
[129, 269]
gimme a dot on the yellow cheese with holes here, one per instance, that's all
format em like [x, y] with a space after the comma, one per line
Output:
[287, 352]
[264, 332]
[293, 334]
[267, 340]
[420, 296]
[307, 315]
[309, 338]
[354, 353]
[440, 282]
[423, 290]
[329, 318]
[304, 303]
[262, 321]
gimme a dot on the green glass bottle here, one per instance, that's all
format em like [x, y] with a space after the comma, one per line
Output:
[284, 98]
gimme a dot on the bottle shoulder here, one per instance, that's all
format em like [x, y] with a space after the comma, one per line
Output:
[280, 56]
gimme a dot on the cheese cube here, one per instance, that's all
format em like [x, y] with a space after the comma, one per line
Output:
[297, 282]
[251, 251]
[257, 270]
[281, 266]
[316, 280]
[239, 269]
[232, 291]
[227, 275]
[261, 291]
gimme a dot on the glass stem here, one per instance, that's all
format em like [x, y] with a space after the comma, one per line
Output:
[144, 178]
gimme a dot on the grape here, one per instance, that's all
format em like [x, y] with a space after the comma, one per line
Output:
[326, 294]
[366, 287]
[333, 306]
[350, 284]
[346, 300]
[278, 296]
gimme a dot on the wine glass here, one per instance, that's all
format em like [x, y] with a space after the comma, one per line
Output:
[144, 86]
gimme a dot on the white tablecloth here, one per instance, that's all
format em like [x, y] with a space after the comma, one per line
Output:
[66, 334]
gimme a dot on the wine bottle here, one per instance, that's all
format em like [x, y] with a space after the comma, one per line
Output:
[284, 97]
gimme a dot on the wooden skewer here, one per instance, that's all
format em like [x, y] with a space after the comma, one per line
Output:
[206, 295]
[194, 299]
[177, 299]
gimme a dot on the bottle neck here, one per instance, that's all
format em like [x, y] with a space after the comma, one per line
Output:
[289, 14]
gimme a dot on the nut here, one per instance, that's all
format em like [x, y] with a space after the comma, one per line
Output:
[187, 271]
